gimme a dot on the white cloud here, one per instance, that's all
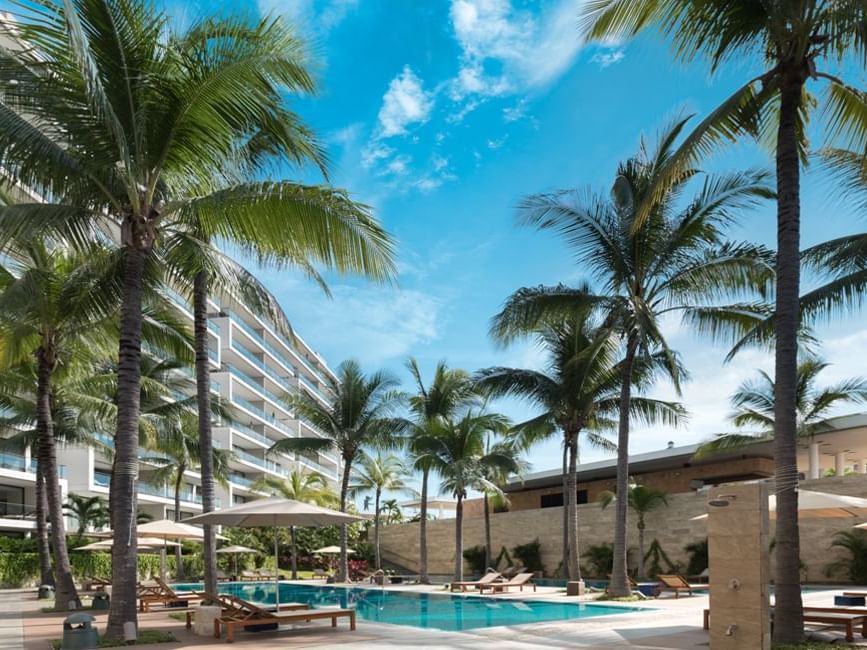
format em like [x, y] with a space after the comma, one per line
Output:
[608, 57]
[375, 152]
[496, 143]
[317, 16]
[516, 112]
[399, 165]
[405, 102]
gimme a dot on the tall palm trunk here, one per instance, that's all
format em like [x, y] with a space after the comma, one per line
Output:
[788, 613]
[206, 442]
[343, 569]
[564, 564]
[619, 586]
[179, 556]
[294, 552]
[423, 577]
[641, 526]
[124, 480]
[43, 546]
[377, 559]
[488, 554]
[459, 538]
[574, 570]
[65, 593]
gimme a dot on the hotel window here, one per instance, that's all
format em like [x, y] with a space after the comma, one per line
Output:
[551, 500]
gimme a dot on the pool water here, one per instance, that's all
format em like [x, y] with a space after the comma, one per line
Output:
[437, 611]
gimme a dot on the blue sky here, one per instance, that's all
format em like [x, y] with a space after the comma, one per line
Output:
[442, 115]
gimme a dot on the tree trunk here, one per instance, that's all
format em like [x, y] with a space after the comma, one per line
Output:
[65, 593]
[619, 586]
[179, 555]
[488, 554]
[641, 568]
[206, 442]
[294, 552]
[377, 559]
[574, 570]
[459, 539]
[43, 546]
[564, 564]
[343, 569]
[124, 480]
[788, 613]
[423, 577]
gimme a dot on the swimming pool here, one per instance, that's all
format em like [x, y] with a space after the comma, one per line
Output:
[437, 611]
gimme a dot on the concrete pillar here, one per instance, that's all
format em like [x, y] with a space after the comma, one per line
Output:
[739, 567]
[814, 460]
[862, 466]
[840, 463]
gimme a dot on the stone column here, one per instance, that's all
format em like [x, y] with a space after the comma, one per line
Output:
[840, 463]
[814, 460]
[739, 567]
[862, 466]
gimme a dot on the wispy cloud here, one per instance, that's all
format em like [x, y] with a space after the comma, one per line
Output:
[314, 16]
[405, 102]
[608, 57]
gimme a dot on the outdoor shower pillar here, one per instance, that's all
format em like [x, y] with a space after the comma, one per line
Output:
[814, 460]
[739, 568]
[862, 466]
[840, 463]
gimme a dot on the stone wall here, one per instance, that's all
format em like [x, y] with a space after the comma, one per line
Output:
[671, 526]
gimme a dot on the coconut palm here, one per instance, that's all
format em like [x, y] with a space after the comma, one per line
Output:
[127, 125]
[89, 512]
[393, 513]
[456, 451]
[358, 415]
[176, 449]
[308, 487]
[450, 389]
[378, 473]
[802, 45]
[653, 258]
[579, 394]
[753, 405]
[642, 500]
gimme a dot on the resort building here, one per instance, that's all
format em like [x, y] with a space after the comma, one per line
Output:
[18, 492]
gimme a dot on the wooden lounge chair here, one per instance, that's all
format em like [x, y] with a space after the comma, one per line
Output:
[265, 574]
[98, 584]
[162, 594]
[320, 573]
[249, 575]
[238, 613]
[486, 579]
[846, 618]
[519, 580]
[677, 583]
[510, 572]
[222, 577]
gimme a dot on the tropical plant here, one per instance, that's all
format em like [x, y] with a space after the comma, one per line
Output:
[475, 557]
[600, 558]
[698, 559]
[654, 256]
[378, 474]
[89, 512]
[654, 560]
[579, 393]
[456, 451]
[754, 406]
[854, 563]
[642, 500]
[449, 390]
[127, 125]
[393, 513]
[307, 487]
[529, 555]
[359, 414]
[794, 39]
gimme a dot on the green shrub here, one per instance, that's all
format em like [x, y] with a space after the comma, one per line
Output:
[854, 564]
[698, 561]
[655, 558]
[600, 560]
[475, 557]
[22, 569]
[530, 555]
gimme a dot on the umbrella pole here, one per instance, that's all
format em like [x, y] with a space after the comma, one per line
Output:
[163, 561]
[276, 568]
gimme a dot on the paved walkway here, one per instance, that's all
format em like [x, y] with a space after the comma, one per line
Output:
[11, 629]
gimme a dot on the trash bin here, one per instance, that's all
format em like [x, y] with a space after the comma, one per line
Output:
[46, 591]
[101, 601]
[79, 633]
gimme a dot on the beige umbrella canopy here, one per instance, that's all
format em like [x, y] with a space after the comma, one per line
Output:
[145, 544]
[274, 512]
[328, 550]
[819, 504]
[236, 550]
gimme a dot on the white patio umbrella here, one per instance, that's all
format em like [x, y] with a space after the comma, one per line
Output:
[145, 545]
[274, 512]
[236, 550]
[329, 550]
[819, 504]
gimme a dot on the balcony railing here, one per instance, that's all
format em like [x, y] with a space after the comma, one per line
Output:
[241, 480]
[13, 461]
[273, 421]
[103, 479]
[10, 510]
[261, 462]
[256, 386]
[263, 342]
[252, 433]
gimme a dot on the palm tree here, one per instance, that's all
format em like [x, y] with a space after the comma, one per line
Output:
[90, 512]
[579, 393]
[359, 415]
[652, 258]
[449, 390]
[128, 126]
[753, 404]
[392, 511]
[456, 451]
[378, 474]
[308, 487]
[794, 39]
[177, 449]
[642, 500]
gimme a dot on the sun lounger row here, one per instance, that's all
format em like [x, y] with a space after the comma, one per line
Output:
[261, 574]
[495, 583]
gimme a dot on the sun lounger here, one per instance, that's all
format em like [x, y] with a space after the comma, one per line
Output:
[238, 613]
[510, 572]
[265, 574]
[521, 580]
[250, 575]
[486, 579]
[222, 577]
[833, 616]
[98, 584]
[162, 594]
[677, 583]
[321, 573]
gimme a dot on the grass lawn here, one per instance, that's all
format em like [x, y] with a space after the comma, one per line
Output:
[145, 637]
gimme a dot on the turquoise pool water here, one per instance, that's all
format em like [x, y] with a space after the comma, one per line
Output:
[438, 611]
